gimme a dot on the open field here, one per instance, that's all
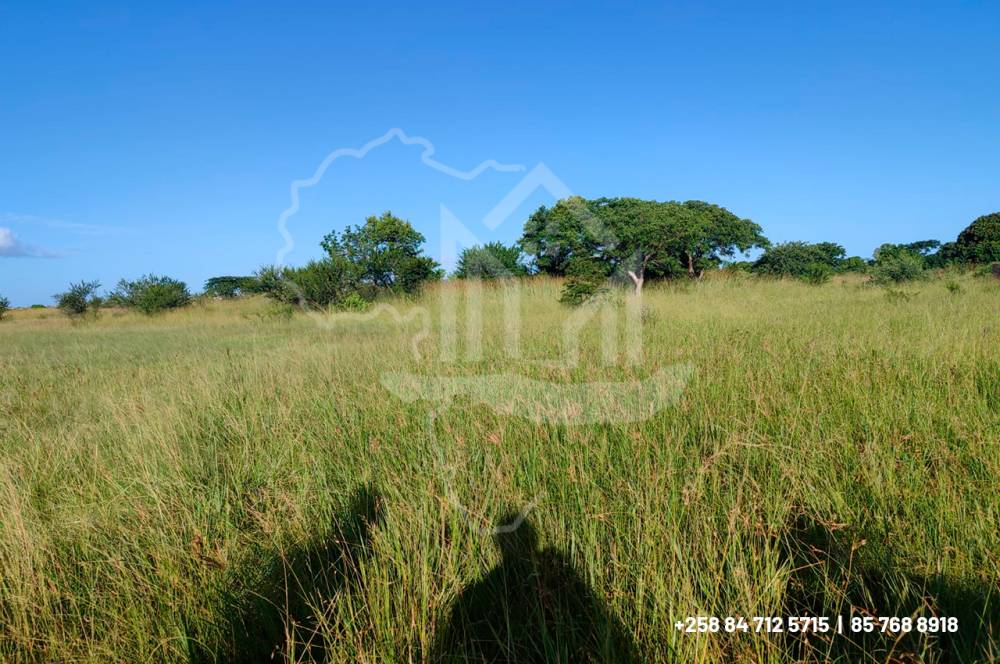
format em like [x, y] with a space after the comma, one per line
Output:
[227, 481]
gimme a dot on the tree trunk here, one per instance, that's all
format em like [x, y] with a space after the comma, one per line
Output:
[637, 279]
[690, 265]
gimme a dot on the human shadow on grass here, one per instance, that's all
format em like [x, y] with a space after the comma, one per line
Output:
[284, 609]
[838, 572]
[532, 607]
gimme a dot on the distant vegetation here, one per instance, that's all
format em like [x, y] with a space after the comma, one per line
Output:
[634, 240]
[229, 287]
[381, 257]
[978, 244]
[79, 299]
[4, 306]
[150, 294]
[592, 243]
[493, 260]
[800, 259]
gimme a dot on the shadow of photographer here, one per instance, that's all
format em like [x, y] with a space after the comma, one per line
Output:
[283, 611]
[532, 607]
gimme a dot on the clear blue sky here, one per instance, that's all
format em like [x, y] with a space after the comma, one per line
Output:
[163, 137]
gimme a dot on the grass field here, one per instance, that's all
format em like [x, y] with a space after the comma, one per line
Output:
[230, 482]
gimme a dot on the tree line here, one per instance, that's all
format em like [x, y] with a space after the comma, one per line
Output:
[590, 242]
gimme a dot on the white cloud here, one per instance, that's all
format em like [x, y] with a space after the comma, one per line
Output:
[69, 226]
[11, 247]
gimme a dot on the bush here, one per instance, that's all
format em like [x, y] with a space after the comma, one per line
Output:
[817, 273]
[898, 268]
[317, 284]
[79, 299]
[797, 259]
[584, 279]
[490, 261]
[354, 302]
[151, 294]
[4, 307]
[852, 264]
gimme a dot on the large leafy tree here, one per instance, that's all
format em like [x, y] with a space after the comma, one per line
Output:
[664, 236]
[979, 243]
[383, 253]
[569, 229]
[636, 237]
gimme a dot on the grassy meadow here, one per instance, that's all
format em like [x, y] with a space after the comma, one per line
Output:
[232, 482]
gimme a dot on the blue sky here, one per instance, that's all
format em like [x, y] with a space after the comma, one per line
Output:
[163, 137]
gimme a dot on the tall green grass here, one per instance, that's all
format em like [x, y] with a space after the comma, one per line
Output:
[185, 487]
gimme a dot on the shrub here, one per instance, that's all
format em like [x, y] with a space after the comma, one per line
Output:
[151, 294]
[38, 306]
[353, 302]
[953, 287]
[584, 279]
[4, 307]
[796, 259]
[79, 299]
[490, 261]
[898, 268]
[817, 273]
[318, 283]
[852, 264]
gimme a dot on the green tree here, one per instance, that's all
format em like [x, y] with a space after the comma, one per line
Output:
[229, 287]
[979, 243]
[384, 253]
[637, 238]
[151, 294]
[569, 229]
[492, 260]
[852, 264]
[897, 267]
[79, 299]
[798, 259]
[698, 234]
[4, 307]
[584, 279]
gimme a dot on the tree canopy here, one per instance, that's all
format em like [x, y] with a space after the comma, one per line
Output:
[979, 243]
[799, 259]
[637, 237]
[384, 253]
[228, 287]
[569, 229]
[492, 260]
